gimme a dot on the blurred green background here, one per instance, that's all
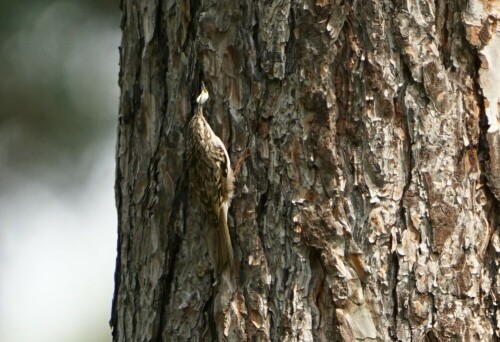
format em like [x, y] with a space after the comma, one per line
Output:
[58, 110]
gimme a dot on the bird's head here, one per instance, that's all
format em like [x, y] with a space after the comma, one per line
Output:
[203, 97]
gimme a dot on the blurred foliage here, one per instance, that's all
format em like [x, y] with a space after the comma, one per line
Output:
[11, 10]
[58, 110]
[58, 94]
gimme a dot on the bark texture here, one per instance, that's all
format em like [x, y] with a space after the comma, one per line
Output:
[366, 145]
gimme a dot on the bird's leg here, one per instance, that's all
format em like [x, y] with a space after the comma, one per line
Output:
[239, 162]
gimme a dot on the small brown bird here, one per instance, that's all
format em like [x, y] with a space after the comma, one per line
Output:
[212, 181]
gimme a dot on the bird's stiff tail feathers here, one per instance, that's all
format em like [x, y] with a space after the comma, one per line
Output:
[224, 256]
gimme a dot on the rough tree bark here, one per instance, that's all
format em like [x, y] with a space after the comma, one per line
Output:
[367, 207]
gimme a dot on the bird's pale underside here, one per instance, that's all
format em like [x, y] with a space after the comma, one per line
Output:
[211, 181]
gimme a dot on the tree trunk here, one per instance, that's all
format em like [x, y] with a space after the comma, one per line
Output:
[364, 138]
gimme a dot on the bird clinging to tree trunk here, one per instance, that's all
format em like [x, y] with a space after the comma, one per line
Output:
[211, 179]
